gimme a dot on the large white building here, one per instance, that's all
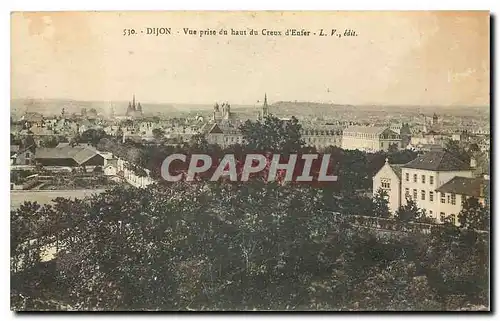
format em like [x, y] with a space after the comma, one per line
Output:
[437, 182]
[370, 138]
[322, 137]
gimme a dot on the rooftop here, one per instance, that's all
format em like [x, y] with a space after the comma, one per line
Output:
[437, 161]
[397, 169]
[79, 153]
[465, 186]
[366, 129]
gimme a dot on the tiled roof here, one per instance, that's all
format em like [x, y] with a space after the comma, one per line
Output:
[465, 186]
[437, 161]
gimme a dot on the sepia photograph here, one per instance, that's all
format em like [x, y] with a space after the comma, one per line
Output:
[250, 161]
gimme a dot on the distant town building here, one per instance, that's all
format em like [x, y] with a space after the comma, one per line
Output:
[370, 139]
[22, 156]
[133, 110]
[222, 135]
[322, 137]
[68, 156]
[265, 109]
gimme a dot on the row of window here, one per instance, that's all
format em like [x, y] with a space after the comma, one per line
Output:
[450, 198]
[423, 180]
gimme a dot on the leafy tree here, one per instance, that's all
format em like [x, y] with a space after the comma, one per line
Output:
[393, 148]
[92, 136]
[408, 212]
[49, 141]
[474, 215]
[273, 134]
[158, 133]
[381, 204]
[453, 147]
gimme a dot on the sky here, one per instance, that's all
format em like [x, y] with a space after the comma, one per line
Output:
[397, 58]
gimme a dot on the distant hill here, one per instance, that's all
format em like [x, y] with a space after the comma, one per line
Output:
[280, 108]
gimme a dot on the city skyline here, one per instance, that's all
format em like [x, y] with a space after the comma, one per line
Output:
[420, 58]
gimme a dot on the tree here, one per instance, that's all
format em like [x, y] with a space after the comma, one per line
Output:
[92, 136]
[158, 133]
[393, 148]
[408, 212]
[453, 147]
[273, 135]
[474, 215]
[381, 204]
[49, 142]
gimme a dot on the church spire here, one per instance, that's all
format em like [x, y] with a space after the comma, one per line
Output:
[265, 99]
[133, 102]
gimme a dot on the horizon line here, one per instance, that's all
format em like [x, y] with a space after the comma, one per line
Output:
[258, 101]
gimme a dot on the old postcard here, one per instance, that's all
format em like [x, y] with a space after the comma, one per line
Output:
[250, 161]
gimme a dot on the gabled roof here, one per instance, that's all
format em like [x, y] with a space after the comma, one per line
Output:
[213, 129]
[464, 186]
[84, 155]
[78, 153]
[396, 168]
[437, 161]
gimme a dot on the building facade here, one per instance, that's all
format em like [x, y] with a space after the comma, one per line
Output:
[370, 138]
[436, 181]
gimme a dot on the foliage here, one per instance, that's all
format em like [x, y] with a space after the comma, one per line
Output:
[409, 212]
[158, 133]
[273, 135]
[214, 246]
[474, 215]
[92, 136]
[381, 204]
[453, 147]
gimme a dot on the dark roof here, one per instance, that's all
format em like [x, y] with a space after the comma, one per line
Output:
[397, 169]
[464, 186]
[437, 161]
[211, 129]
[78, 153]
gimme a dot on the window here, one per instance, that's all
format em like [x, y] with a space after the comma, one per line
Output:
[443, 199]
[407, 177]
[453, 219]
[386, 185]
[431, 180]
[441, 217]
[430, 212]
[414, 178]
[422, 194]
[453, 199]
[431, 196]
[407, 191]
[414, 194]
[448, 199]
[423, 179]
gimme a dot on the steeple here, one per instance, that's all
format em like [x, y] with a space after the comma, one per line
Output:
[265, 107]
[133, 102]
